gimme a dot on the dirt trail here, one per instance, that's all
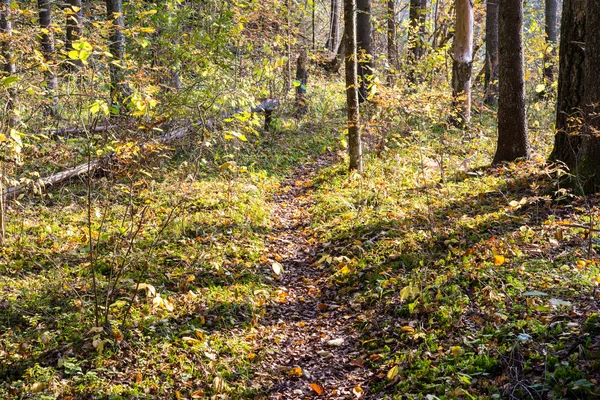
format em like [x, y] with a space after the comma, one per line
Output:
[309, 347]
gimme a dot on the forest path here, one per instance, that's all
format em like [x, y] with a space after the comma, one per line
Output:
[309, 347]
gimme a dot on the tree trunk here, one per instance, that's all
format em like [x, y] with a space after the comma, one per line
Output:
[391, 40]
[301, 81]
[334, 29]
[335, 64]
[8, 66]
[119, 88]
[587, 169]
[570, 82]
[513, 142]
[354, 139]
[365, 50]
[462, 65]
[74, 30]
[47, 41]
[551, 40]
[491, 53]
[416, 38]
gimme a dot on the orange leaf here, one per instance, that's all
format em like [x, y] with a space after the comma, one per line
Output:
[499, 260]
[317, 388]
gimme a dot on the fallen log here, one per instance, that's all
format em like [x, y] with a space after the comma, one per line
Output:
[173, 134]
[74, 131]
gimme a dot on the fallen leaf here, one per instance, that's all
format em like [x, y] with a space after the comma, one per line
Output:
[317, 388]
[391, 374]
[407, 329]
[456, 351]
[335, 342]
[325, 354]
[296, 371]
[322, 307]
[499, 259]
[358, 391]
[277, 268]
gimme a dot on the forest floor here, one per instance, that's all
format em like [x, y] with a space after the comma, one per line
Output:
[263, 269]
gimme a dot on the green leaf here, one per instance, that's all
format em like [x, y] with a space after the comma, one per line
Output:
[535, 293]
[9, 79]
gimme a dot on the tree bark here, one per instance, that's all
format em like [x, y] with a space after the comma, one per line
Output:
[351, 61]
[8, 66]
[462, 65]
[301, 81]
[334, 29]
[119, 88]
[491, 53]
[551, 28]
[391, 40]
[335, 64]
[47, 41]
[513, 141]
[74, 30]
[570, 82]
[416, 38]
[364, 48]
[587, 169]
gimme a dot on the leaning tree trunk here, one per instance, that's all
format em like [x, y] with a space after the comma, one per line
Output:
[8, 66]
[587, 169]
[416, 40]
[491, 52]
[47, 39]
[513, 142]
[335, 64]
[551, 40]
[462, 65]
[391, 40]
[365, 50]
[570, 82]
[354, 139]
[334, 29]
[74, 24]
[119, 88]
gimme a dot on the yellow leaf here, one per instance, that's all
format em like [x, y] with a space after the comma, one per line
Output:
[407, 329]
[499, 259]
[456, 351]
[391, 374]
[317, 388]
[251, 356]
[358, 391]
[581, 263]
[191, 340]
[296, 371]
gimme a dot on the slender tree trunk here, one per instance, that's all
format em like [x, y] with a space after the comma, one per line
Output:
[74, 29]
[462, 65]
[416, 40]
[513, 142]
[365, 50]
[491, 53]
[47, 40]
[119, 88]
[391, 40]
[334, 29]
[8, 66]
[301, 81]
[570, 82]
[551, 40]
[354, 139]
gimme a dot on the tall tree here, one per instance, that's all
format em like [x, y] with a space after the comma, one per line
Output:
[551, 28]
[74, 28]
[351, 61]
[364, 47]
[513, 141]
[491, 52]
[462, 65]
[392, 51]
[47, 40]
[586, 168]
[334, 29]
[570, 82]
[8, 65]
[119, 88]
[417, 15]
